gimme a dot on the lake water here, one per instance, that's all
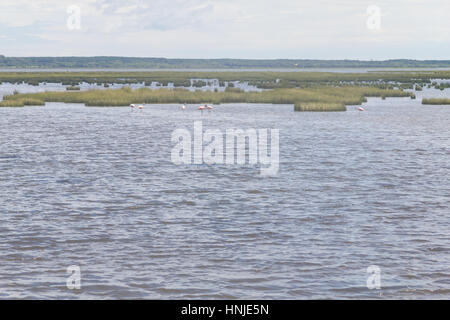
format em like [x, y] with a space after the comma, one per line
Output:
[96, 188]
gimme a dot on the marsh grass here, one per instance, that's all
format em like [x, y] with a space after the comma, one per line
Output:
[441, 86]
[436, 101]
[124, 97]
[267, 79]
[73, 88]
[22, 102]
[11, 103]
[233, 89]
[319, 107]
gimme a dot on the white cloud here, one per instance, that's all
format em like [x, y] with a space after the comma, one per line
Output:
[227, 28]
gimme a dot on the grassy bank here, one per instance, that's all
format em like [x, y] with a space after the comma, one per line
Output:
[436, 101]
[123, 97]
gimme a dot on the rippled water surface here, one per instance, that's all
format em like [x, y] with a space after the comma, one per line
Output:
[95, 187]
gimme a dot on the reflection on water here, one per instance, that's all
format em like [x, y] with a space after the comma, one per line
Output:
[95, 187]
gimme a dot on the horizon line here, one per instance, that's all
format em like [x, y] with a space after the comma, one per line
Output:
[257, 59]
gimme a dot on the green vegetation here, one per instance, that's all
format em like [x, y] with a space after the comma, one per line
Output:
[233, 89]
[11, 103]
[199, 83]
[436, 101]
[300, 88]
[21, 102]
[347, 95]
[320, 107]
[264, 80]
[441, 86]
[73, 88]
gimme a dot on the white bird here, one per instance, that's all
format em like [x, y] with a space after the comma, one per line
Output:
[183, 107]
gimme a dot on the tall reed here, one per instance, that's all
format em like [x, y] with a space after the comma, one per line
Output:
[319, 107]
[436, 101]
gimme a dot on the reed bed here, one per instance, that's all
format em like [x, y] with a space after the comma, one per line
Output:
[126, 96]
[73, 88]
[11, 103]
[22, 102]
[436, 101]
[319, 107]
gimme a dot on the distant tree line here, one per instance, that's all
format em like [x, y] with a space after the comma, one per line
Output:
[163, 63]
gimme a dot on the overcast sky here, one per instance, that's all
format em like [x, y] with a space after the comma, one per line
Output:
[317, 29]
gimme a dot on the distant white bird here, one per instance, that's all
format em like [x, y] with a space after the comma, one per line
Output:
[140, 107]
[183, 107]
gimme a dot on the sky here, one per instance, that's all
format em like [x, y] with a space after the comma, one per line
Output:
[254, 29]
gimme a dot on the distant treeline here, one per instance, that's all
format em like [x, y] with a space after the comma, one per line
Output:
[163, 63]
